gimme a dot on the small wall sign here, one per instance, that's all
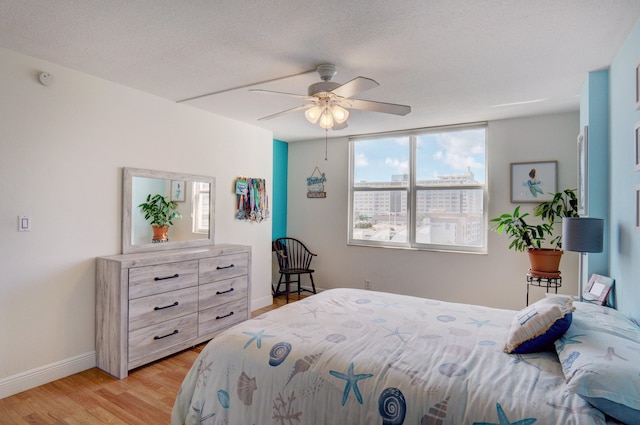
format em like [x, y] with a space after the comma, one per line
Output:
[315, 184]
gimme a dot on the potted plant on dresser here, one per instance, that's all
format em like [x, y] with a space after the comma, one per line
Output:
[544, 260]
[160, 212]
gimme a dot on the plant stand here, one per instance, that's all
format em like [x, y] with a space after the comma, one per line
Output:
[554, 283]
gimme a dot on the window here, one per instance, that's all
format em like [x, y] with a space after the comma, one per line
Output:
[424, 189]
[201, 207]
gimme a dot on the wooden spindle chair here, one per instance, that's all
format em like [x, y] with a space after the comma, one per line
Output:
[294, 259]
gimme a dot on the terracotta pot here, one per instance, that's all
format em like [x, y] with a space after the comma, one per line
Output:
[545, 261]
[160, 233]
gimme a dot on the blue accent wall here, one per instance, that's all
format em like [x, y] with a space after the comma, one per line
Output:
[594, 113]
[624, 240]
[279, 197]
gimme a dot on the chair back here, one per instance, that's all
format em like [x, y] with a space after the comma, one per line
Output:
[292, 254]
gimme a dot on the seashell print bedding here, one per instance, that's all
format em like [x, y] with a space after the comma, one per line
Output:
[348, 356]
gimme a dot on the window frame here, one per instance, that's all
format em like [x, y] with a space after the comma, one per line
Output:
[199, 204]
[412, 190]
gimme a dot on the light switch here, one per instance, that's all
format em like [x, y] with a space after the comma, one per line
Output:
[24, 223]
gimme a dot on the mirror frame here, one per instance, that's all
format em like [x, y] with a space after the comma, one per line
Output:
[127, 185]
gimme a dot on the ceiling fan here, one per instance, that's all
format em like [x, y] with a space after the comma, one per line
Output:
[330, 101]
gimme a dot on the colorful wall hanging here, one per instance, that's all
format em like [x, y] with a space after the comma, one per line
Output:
[315, 184]
[251, 199]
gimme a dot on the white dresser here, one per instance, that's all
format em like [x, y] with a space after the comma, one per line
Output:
[151, 305]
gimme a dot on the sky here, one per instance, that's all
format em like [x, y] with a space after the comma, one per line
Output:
[438, 154]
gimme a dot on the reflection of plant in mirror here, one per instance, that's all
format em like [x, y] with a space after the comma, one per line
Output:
[159, 211]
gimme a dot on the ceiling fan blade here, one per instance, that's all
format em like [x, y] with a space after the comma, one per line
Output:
[355, 86]
[387, 108]
[299, 96]
[297, 108]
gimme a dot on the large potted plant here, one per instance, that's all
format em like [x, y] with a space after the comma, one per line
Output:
[563, 204]
[545, 260]
[160, 212]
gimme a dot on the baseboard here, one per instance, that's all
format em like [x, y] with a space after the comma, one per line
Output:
[268, 300]
[261, 302]
[318, 289]
[307, 290]
[43, 375]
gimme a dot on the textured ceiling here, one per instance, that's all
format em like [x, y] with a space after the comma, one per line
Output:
[453, 61]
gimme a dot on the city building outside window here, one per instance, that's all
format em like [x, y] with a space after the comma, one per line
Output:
[424, 189]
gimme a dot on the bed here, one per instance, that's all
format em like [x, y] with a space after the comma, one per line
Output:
[348, 356]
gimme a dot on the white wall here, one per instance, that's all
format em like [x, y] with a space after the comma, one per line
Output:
[62, 149]
[496, 279]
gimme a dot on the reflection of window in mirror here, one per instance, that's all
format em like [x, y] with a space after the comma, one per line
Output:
[201, 207]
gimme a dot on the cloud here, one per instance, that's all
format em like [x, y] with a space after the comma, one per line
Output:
[400, 166]
[361, 160]
[458, 153]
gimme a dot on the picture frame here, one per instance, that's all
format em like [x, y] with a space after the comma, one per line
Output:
[638, 85]
[636, 144]
[533, 181]
[637, 208]
[598, 289]
[583, 170]
[177, 190]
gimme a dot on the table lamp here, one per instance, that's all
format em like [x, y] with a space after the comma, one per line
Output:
[583, 235]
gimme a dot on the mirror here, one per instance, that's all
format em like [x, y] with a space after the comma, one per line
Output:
[194, 198]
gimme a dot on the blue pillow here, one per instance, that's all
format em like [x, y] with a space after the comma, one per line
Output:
[545, 341]
[537, 326]
[600, 356]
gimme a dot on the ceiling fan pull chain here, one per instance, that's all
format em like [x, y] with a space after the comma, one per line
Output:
[326, 131]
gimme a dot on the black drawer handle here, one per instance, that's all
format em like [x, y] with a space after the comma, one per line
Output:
[224, 292]
[226, 267]
[166, 306]
[160, 337]
[226, 315]
[165, 278]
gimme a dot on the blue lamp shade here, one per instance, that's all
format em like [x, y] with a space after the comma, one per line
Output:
[582, 234]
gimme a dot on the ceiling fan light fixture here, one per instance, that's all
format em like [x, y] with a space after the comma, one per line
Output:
[313, 114]
[339, 114]
[326, 120]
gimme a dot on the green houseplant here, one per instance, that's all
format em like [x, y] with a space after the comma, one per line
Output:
[563, 204]
[531, 237]
[160, 212]
[523, 236]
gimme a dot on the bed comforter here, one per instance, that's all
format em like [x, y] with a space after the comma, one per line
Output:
[348, 356]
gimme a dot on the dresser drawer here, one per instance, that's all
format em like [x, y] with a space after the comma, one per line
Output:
[154, 309]
[146, 341]
[223, 267]
[221, 317]
[217, 293]
[150, 280]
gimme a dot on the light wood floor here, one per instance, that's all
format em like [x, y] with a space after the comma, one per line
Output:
[145, 397]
